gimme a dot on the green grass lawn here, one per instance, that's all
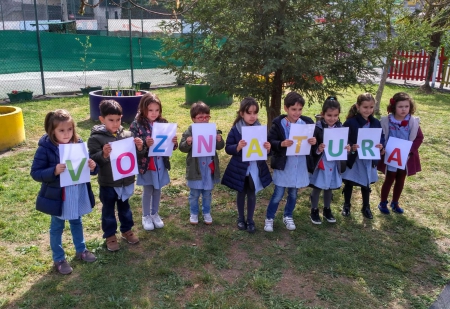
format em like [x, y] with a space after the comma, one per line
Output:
[396, 261]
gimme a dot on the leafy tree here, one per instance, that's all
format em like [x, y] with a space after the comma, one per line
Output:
[260, 47]
[403, 30]
[437, 12]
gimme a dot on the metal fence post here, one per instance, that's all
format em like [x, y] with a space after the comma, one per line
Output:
[131, 43]
[39, 47]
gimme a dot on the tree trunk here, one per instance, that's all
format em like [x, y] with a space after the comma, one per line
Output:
[275, 98]
[436, 43]
[380, 89]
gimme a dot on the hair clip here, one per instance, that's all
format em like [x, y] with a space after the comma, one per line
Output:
[332, 98]
[392, 101]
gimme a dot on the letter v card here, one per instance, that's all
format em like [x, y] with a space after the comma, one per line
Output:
[255, 136]
[162, 134]
[76, 157]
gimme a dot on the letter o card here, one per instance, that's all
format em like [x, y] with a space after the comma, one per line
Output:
[123, 158]
[255, 136]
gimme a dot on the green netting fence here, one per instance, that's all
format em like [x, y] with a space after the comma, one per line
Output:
[63, 69]
[62, 52]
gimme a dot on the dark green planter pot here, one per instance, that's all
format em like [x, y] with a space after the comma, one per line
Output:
[142, 85]
[85, 91]
[195, 93]
[20, 96]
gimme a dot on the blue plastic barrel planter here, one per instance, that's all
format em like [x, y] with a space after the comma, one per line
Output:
[129, 104]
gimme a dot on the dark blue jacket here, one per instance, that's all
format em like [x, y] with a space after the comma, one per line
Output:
[275, 137]
[51, 195]
[354, 124]
[234, 176]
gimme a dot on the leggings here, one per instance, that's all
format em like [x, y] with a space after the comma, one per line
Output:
[399, 177]
[249, 191]
[150, 200]
[348, 189]
[327, 195]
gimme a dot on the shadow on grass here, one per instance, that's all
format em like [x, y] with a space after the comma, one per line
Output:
[355, 263]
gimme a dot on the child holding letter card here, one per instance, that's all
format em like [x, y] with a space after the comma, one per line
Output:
[153, 170]
[289, 172]
[247, 178]
[62, 203]
[327, 174]
[201, 172]
[360, 172]
[402, 124]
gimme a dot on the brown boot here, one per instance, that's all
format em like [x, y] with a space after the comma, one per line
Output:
[130, 237]
[112, 244]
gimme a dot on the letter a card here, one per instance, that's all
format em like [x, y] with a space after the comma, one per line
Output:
[162, 135]
[76, 157]
[255, 136]
[300, 133]
[335, 140]
[123, 158]
[397, 151]
[203, 139]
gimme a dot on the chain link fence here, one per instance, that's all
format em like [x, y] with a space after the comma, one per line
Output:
[93, 49]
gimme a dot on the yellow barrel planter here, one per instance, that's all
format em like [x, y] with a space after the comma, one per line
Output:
[12, 130]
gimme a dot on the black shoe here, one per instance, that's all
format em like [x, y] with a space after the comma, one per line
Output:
[251, 227]
[315, 217]
[346, 210]
[366, 212]
[241, 224]
[328, 215]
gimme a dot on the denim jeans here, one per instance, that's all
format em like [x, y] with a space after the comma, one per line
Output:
[109, 198]
[56, 231]
[278, 193]
[194, 196]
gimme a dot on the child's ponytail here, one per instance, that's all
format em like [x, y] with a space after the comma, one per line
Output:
[352, 112]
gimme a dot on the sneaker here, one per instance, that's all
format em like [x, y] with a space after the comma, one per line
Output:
[207, 219]
[241, 225]
[328, 215]
[193, 219]
[147, 223]
[268, 225]
[289, 222]
[396, 208]
[367, 212]
[86, 256]
[63, 267]
[112, 244]
[157, 222]
[130, 237]
[383, 208]
[315, 217]
[346, 210]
